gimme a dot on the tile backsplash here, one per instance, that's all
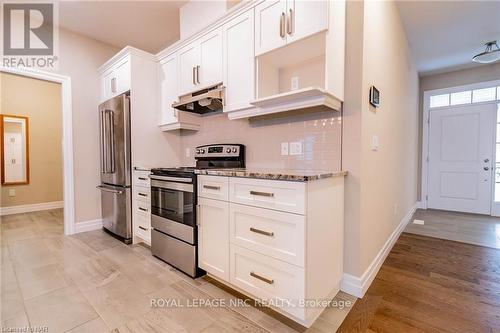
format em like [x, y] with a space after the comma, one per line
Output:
[319, 132]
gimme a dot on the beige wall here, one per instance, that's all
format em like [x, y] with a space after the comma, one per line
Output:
[79, 59]
[319, 132]
[382, 185]
[40, 101]
[462, 77]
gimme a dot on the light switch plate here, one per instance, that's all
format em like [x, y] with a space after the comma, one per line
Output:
[12, 192]
[296, 148]
[284, 148]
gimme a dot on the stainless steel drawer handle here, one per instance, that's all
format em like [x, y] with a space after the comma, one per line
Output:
[142, 194]
[258, 277]
[145, 229]
[142, 178]
[262, 194]
[262, 232]
[105, 189]
[143, 209]
[210, 187]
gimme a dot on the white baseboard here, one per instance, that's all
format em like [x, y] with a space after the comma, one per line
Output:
[30, 208]
[358, 286]
[88, 225]
[421, 205]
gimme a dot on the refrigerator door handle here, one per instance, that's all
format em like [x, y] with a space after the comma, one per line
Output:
[111, 140]
[101, 133]
[107, 189]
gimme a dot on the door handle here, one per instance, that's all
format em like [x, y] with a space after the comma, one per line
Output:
[486, 160]
[142, 228]
[289, 28]
[106, 189]
[198, 74]
[486, 168]
[194, 74]
[282, 25]
[113, 85]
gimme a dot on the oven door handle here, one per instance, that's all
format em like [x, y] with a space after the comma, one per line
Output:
[172, 179]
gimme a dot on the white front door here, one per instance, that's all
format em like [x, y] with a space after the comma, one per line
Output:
[460, 158]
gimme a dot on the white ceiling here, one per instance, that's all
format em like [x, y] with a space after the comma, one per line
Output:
[445, 35]
[147, 25]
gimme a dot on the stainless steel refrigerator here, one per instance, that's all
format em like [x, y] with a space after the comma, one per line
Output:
[115, 187]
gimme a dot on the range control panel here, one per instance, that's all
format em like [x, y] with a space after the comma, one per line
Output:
[221, 150]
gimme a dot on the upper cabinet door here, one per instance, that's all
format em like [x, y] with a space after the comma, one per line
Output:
[209, 70]
[305, 18]
[239, 61]
[168, 76]
[270, 25]
[189, 59]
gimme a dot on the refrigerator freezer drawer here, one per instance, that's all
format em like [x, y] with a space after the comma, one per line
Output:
[116, 206]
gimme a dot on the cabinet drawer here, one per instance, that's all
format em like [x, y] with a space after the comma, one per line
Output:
[142, 194]
[213, 187]
[141, 178]
[269, 232]
[142, 226]
[142, 208]
[274, 194]
[267, 278]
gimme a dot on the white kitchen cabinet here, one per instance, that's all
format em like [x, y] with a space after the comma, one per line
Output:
[210, 66]
[213, 237]
[285, 239]
[270, 25]
[239, 61]
[189, 58]
[170, 118]
[280, 22]
[305, 18]
[200, 62]
[116, 79]
[141, 206]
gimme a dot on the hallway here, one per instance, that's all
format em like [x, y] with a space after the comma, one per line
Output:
[468, 228]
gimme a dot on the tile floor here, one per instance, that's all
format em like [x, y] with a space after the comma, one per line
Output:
[461, 227]
[90, 282]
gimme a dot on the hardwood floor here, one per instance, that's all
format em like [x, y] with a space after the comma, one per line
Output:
[92, 283]
[461, 227]
[431, 285]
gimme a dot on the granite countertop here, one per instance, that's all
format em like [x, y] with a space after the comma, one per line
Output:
[290, 175]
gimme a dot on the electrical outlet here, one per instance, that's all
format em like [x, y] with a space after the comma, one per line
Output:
[284, 148]
[296, 148]
[188, 152]
[294, 83]
[12, 192]
[375, 143]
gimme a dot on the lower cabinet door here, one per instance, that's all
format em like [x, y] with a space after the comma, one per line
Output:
[213, 237]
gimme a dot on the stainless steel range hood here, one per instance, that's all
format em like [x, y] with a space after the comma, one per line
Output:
[203, 101]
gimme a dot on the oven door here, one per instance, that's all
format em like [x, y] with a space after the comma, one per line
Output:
[172, 208]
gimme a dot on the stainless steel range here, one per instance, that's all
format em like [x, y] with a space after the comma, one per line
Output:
[174, 236]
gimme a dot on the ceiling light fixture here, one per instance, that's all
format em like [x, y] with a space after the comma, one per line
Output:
[491, 54]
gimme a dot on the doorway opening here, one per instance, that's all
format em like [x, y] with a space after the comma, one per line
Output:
[24, 174]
